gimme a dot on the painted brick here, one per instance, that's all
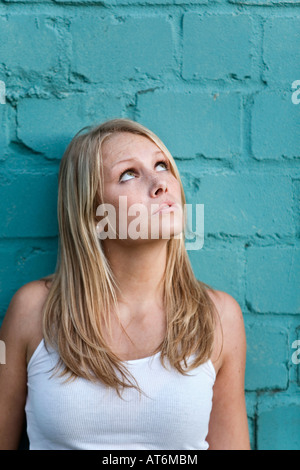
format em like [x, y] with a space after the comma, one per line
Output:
[194, 123]
[278, 429]
[27, 1]
[23, 262]
[265, 2]
[281, 49]
[251, 428]
[47, 126]
[297, 351]
[227, 261]
[28, 42]
[275, 126]
[267, 357]
[217, 46]
[3, 139]
[5, 116]
[30, 202]
[145, 50]
[129, 2]
[296, 206]
[251, 414]
[243, 204]
[273, 275]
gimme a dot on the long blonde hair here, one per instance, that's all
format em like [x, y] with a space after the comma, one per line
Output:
[83, 289]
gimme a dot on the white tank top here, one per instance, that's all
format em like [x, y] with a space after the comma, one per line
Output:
[82, 415]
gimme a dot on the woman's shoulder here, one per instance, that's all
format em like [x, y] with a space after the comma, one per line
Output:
[227, 307]
[30, 297]
[230, 329]
[24, 314]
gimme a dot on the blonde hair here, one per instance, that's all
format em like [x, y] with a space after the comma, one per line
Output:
[83, 289]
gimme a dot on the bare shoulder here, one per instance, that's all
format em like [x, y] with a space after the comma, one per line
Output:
[23, 320]
[230, 330]
[229, 310]
[228, 427]
[28, 300]
[20, 332]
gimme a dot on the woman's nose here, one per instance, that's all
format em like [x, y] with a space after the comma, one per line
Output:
[158, 187]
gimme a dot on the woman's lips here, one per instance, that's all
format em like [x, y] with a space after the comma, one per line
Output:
[166, 207]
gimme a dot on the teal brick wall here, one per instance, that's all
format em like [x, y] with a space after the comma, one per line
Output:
[214, 80]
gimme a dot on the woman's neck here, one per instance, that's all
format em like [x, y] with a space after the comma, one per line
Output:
[139, 272]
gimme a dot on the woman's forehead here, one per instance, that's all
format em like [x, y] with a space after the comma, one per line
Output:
[120, 143]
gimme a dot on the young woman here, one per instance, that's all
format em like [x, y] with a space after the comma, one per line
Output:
[122, 347]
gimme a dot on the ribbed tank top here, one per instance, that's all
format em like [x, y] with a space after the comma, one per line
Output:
[173, 413]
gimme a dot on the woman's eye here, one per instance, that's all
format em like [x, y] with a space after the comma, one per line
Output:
[164, 164]
[126, 173]
[130, 173]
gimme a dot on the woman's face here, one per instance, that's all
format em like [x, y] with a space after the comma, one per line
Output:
[136, 172]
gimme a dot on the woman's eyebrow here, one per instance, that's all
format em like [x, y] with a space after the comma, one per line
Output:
[123, 161]
[158, 152]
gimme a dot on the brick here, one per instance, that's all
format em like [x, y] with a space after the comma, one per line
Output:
[251, 414]
[195, 123]
[65, 117]
[281, 49]
[29, 43]
[131, 48]
[229, 261]
[30, 202]
[22, 262]
[3, 139]
[278, 428]
[243, 204]
[275, 126]
[296, 206]
[267, 356]
[130, 2]
[297, 358]
[251, 428]
[25, 1]
[273, 275]
[217, 46]
[265, 2]
[5, 116]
